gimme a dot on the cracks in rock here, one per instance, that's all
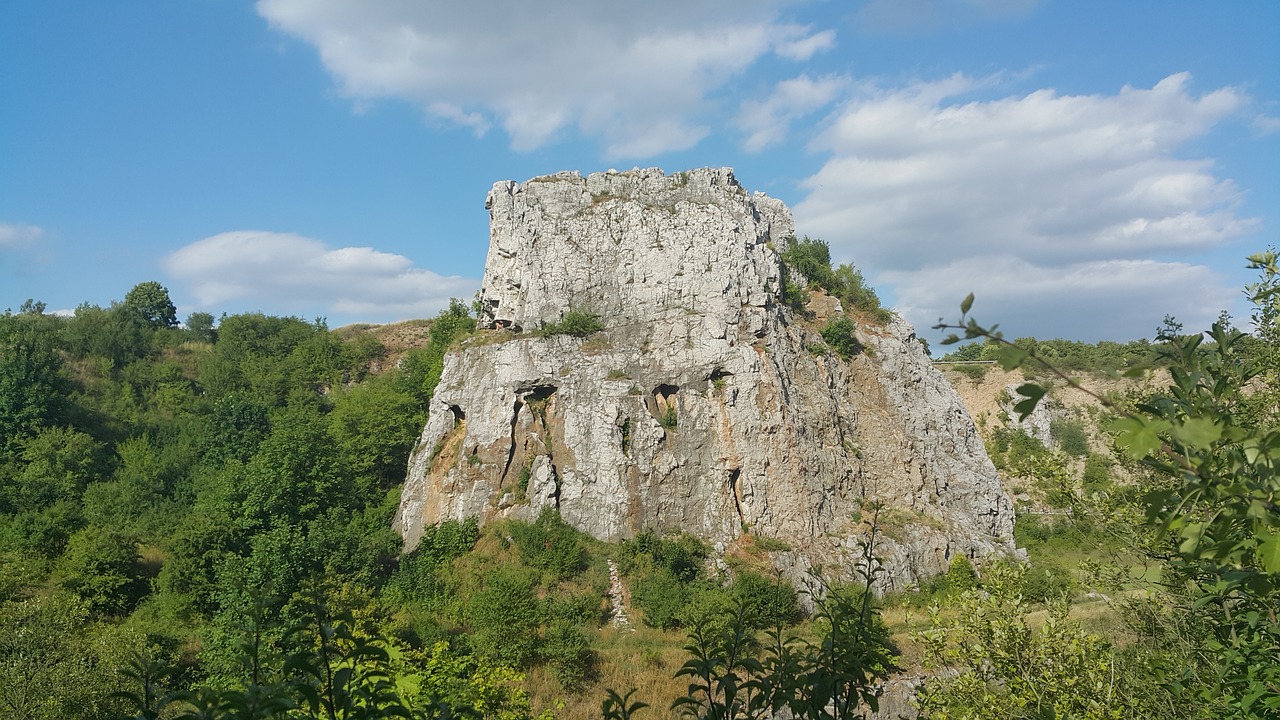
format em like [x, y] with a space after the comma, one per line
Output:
[664, 406]
[735, 491]
[511, 451]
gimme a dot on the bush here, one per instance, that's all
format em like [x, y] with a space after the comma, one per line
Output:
[566, 650]
[840, 335]
[576, 323]
[504, 617]
[1069, 434]
[681, 555]
[662, 597]
[767, 602]
[550, 544]
[960, 574]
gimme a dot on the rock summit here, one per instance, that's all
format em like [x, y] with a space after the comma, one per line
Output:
[704, 405]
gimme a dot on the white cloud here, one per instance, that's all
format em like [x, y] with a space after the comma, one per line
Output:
[766, 121]
[635, 76]
[1094, 300]
[18, 236]
[919, 183]
[291, 274]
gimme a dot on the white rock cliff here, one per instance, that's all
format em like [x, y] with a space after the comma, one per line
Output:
[704, 405]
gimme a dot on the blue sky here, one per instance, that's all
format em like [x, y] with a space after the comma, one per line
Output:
[1083, 167]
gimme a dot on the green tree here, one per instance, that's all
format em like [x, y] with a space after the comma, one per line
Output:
[200, 327]
[1211, 499]
[376, 424]
[504, 617]
[841, 334]
[33, 386]
[101, 568]
[149, 301]
[51, 668]
[424, 367]
[1002, 666]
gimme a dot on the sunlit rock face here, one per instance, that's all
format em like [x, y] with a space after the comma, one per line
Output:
[704, 405]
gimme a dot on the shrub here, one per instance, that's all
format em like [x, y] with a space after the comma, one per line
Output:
[550, 544]
[669, 419]
[812, 259]
[504, 616]
[767, 602]
[577, 323]
[840, 335]
[960, 574]
[566, 650]
[662, 597]
[1070, 436]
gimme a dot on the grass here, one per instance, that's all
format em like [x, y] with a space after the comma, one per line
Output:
[646, 660]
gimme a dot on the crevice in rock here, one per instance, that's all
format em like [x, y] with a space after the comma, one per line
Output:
[511, 450]
[555, 482]
[663, 407]
[625, 429]
[736, 492]
[458, 415]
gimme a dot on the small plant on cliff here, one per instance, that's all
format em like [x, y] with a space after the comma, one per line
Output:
[839, 334]
[577, 323]
[811, 258]
[669, 419]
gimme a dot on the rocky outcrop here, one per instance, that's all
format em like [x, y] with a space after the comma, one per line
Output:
[704, 405]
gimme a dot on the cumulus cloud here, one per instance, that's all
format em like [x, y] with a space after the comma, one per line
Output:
[18, 236]
[636, 76]
[920, 182]
[1095, 300]
[291, 274]
[766, 121]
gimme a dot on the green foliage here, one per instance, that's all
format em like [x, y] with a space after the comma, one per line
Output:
[150, 303]
[1209, 507]
[504, 617]
[550, 544]
[1014, 449]
[765, 602]
[669, 419]
[53, 666]
[200, 327]
[566, 650]
[811, 259]
[1069, 435]
[681, 555]
[424, 367]
[1104, 358]
[376, 425]
[732, 674]
[101, 568]
[1005, 667]
[577, 323]
[841, 334]
[33, 386]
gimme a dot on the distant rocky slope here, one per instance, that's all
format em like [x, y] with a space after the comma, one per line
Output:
[704, 405]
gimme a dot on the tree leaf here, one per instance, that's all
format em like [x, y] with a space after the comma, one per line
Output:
[966, 304]
[1198, 432]
[1268, 550]
[1137, 437]
[1011, 357]
[1033, 393]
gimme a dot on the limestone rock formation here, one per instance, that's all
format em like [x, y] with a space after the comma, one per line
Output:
[704, 405]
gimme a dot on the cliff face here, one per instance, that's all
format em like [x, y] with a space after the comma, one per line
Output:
[703, 405]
